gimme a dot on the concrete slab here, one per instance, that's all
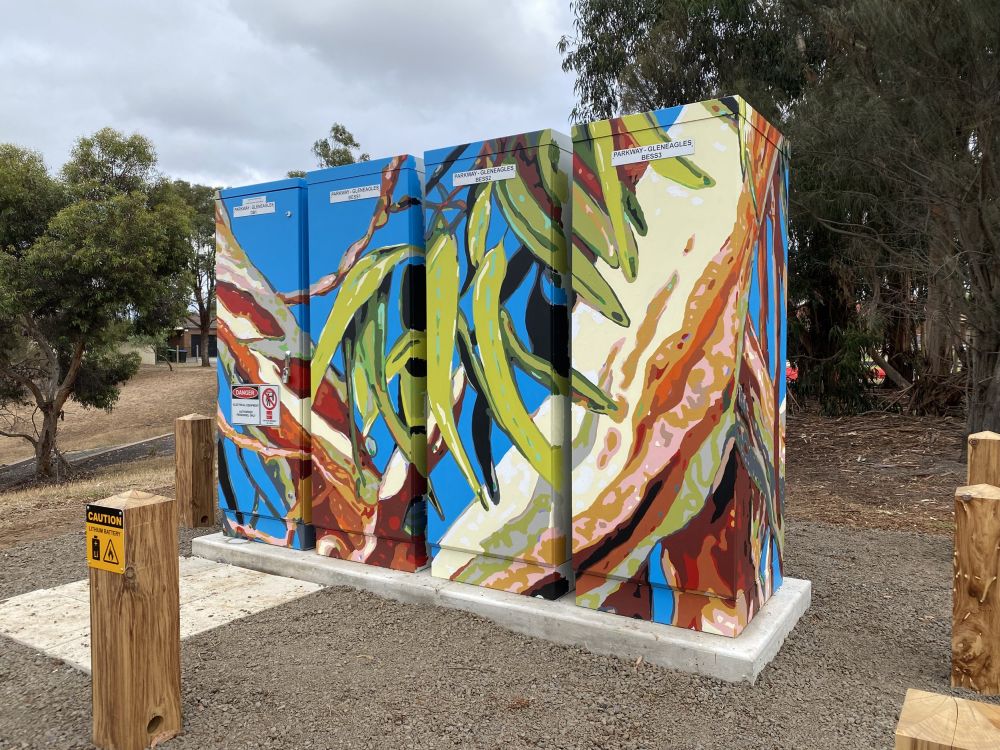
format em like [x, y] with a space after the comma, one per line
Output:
[56, 621]
[734, 660]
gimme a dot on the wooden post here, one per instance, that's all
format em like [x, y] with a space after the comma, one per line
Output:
[940, 722]
[984, 459]
[135, 626]
[975, 634]
[194, 477]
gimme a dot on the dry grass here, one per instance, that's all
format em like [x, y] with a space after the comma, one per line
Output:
[148, 406]
[44, 510]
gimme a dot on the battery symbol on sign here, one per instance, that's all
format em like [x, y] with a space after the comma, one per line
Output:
[95, 548]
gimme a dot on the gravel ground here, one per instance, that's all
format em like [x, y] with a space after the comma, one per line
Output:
[58, 560]
[348, 670]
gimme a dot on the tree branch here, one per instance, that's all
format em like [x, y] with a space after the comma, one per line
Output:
[67, 384]
[22, 435]
[50, 352]
[891, 372]
[26, 382]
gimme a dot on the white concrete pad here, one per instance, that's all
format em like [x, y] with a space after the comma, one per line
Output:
[56, 621]
[733, 659]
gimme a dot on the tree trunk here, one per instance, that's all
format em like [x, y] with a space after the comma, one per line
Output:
[984, 386]
[46, 457]
[937, 335]
[899, 336]
[205, 327]
[46, 445]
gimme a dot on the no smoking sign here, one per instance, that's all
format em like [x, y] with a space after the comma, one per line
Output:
[257, 404]
[269, 404]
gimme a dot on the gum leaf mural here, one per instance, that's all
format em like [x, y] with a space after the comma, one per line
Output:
[677, 493]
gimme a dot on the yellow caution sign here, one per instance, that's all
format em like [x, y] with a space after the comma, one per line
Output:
[106, 538]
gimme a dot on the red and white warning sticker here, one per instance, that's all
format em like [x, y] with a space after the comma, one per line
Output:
[256, 404]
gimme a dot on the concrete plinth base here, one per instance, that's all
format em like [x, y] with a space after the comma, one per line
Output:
[732, 659]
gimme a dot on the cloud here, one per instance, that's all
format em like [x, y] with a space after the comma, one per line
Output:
[235, 92]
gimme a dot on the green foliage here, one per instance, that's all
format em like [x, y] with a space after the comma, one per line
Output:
[904, 127]
[337, 149]
[108, 162]
[104, 262]
[200, 203]
[112, 260]
[101, 374]
[631, 55]
[200, 199]
[29, 197]
[834, 381]
[610, 34]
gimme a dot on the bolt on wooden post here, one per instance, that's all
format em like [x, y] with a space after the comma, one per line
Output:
[134, 620]
[194, 479]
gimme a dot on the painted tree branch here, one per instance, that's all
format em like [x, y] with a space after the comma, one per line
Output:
[390, 176]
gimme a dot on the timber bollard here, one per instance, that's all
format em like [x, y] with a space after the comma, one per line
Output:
[930, 721]
[194, 453]
[975, 627]
[134, 620]
[975, 634]
[984, 459]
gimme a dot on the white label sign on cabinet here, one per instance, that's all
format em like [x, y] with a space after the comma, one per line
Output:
[257, 404]
[490, 174]
[259, 204]
[355, 193]
[668, 150]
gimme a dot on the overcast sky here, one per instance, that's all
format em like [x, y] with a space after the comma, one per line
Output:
[236, 91]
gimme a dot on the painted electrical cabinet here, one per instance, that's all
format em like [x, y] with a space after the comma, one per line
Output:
[367, 310]
[679, 253]
[263, 364]
[498, 363]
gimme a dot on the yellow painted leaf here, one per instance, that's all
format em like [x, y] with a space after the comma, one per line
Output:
[592, 227]
[613, 198]
[479, 224]
[374, 368]
[682, 170]
[595, 290]
[410, 344]
[532, 223]
[358, 286]
[442, 313]
[501, 388]
[583, 391]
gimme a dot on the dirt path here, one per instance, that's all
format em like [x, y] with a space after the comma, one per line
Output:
[348, 670]
[84, 463]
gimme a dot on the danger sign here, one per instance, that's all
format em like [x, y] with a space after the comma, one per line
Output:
[106, 538]
[257, 404]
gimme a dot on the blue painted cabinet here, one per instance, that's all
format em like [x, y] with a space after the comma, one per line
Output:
[367, 320]
[263, 364]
